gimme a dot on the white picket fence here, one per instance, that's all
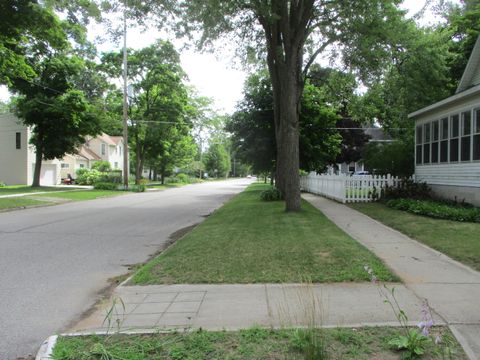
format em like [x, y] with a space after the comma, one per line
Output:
[345, 188]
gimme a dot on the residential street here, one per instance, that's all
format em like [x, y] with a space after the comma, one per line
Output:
[55, 260]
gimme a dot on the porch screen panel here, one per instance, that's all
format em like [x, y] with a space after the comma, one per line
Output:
[476, 136]
[454, 137]
[444, 140]
[426, 145]
[418, 150]
[435, 137]
[466, 132]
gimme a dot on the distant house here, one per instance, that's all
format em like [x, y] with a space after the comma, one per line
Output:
[375, 134]
[447, 139]
[17, 156]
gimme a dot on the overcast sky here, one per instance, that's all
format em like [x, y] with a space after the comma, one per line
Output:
[213, 77]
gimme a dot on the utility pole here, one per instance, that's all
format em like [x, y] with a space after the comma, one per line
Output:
[125, 103]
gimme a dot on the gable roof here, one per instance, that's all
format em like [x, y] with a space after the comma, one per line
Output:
[106, 139]
[116, 139]
[88, 154]
[471, 74]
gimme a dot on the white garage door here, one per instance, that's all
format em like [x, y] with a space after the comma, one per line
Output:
[48, 175]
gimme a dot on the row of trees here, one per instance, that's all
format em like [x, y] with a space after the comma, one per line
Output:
[419, 66]
[65, 91]
[403, 67]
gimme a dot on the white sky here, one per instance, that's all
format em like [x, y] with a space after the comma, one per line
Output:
[213, 77]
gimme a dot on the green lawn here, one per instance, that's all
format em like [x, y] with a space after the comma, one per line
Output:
[18, 202]
[81, 195]
[251, 241]
[23, 189]
[460, 241]
[256, 343]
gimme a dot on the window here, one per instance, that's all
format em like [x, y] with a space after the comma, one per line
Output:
[418, 149]
[435, 138]
[444, 140]
[426, 143]
[476, 135]
[65, 166]
[104, 149]
[18, 140]
[82, 166]
[466, 132]
[454, 133]
[116, 165]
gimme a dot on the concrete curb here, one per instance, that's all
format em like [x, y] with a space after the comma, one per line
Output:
[463, 343]
[46, 350]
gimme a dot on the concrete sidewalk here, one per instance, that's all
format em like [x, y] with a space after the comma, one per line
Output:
[232, 307]
[452, 290]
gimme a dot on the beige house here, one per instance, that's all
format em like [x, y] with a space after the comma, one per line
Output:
[447, 139]
[17, 156]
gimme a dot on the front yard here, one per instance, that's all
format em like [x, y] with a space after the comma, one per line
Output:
[459, 240]
[24, 189]
[252, 241]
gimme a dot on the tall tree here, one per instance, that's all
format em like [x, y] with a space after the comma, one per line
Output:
[281, 29]
[158, 98]
[60, 115]
[254, 134]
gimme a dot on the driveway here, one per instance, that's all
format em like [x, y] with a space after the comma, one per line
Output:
[54, 261]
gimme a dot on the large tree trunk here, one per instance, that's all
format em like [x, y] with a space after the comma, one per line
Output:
[285, 36]
[38, 163]
[288, 156]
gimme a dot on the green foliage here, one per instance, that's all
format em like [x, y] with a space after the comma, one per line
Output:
[395, 158]
[437, 209]
[105, 186]
[311, 342]
[254, 133]
[271, 194]
[414, 344]
[102, 166]
[137, 188]
[408, 189]
[159, 108]
[2, 184]
[88, 177]
[217, 160]
[114, 176]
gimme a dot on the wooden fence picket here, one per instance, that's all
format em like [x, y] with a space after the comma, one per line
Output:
[345, 188]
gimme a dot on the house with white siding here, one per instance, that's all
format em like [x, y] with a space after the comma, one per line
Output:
[17, 156]
[447, 139]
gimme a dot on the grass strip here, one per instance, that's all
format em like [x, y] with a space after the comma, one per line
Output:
[255, 343]
[19, 202]
[252, 241]
[460, 241]
[23, 189]
[82, 195]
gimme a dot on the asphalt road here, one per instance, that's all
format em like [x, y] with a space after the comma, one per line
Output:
[54, 261]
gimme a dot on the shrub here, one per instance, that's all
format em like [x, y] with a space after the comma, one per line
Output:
[272, 194]
[106, 186]
[436, 209]
[183, 178]
[137, 188]
[408, 189]
[88, 177]
[102, 166]
[2, 184]
[111, 177]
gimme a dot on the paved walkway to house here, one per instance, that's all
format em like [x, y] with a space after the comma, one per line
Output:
[452, 290]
